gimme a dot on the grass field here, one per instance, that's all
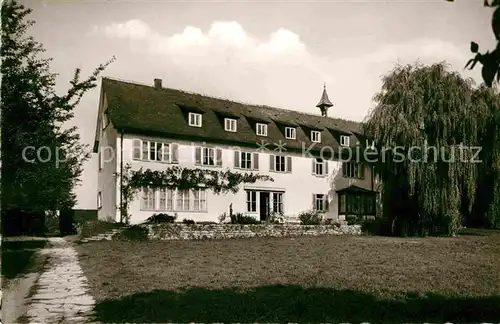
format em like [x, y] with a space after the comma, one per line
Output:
[306, 279]
[18, 258]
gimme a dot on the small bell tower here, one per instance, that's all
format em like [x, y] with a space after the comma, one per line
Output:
[324, 103]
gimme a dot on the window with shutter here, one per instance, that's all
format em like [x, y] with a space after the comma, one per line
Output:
[219, 156]
[271, 162]
[175, 153]
[236, 159]
[197, 155]
[289, 164]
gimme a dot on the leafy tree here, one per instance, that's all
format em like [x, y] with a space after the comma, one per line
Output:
[433, 111]
[41, 158]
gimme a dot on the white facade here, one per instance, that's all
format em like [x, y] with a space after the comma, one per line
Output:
[293, 191]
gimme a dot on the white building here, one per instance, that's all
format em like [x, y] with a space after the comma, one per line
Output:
[155, 128]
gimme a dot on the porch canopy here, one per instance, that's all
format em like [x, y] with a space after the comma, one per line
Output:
[355, 200]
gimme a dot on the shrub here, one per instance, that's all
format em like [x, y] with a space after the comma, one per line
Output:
[378, 226]
[240, 218]
[275, 218]
[188, 221]
[351, 220]
[95, 227]
[133, 233]
[310, 218]
[223, 218]
[161, 218]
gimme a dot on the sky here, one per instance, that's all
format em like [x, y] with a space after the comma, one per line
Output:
[273, 53]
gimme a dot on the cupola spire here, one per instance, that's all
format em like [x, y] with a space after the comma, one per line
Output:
[324, 102]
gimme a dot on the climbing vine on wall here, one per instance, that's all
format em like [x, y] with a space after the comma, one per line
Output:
[220, 182]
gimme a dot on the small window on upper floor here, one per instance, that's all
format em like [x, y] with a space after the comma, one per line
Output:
[230, 124]
[290, 132]
[344, 140]
[194, 119]
[261, 129]
[316, 136]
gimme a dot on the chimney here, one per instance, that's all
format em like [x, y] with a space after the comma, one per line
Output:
[157, 84]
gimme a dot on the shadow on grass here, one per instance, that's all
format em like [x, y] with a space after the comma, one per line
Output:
[291, 304]
[17, 256]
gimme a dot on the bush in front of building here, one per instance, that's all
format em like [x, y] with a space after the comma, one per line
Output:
[240, 218]
[188, 221]
[161, 218]
[311, 217]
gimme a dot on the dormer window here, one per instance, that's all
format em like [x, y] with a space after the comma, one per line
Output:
[316, 136]
[194, 119]
[290, 133]
[261, 129]
[344, 140]
[370, 144]
[230, 125]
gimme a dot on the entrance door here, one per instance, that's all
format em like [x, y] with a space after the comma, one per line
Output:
[264, 205]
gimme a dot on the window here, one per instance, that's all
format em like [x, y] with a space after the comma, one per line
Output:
[166, 199]
[353, 170]
[99, 200]
[357, 204]
[290, 132]
[261, 129]
[316, 136]
[246, 160]
[154, 151]
[208, 156]
[199, 200]
[344, 140]
[320, 167]
[148, 199]
[194, 119]
[370, 144]
[251, 201]
[230, 124]
[280, 163]
[278, 202]
[320, 203]
[182, 200]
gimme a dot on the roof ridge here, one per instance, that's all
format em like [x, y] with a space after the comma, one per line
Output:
[229, 100]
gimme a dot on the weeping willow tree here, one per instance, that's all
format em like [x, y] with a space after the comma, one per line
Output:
[486, 209]
[425, 125]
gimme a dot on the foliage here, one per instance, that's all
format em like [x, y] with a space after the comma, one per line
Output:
[311, 217]
[224, 218]
[351, 219]
[133, 233]
[161, 218]
[95, 227]
[240, 218]
[175, 177]
[442, 115]
[489, 60]
[188, 221]
[34, 115]
[275, 218]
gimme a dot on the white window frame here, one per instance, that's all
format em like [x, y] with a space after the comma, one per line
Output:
[316, 136]
[319, 165]
[165, 151]
[370, 146]
[206, 154]
[290, 133]
[166, 195]
[183, 201]
[283, 162]
[319, 199]
[261, 129]
[148, 198]
[251, 201]
[230, 125]
[199, 200]
[277, 201]
[194, 119]
[344, 140]
[244, 158]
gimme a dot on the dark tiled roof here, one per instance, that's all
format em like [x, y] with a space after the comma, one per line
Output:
[142, 109]
[355, 189]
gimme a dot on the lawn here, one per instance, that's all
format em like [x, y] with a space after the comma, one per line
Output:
[306, 279]
[18, 258]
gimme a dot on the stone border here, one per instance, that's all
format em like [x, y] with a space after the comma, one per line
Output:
[178, 231]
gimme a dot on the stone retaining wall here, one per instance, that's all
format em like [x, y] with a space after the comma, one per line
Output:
[227, 231]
